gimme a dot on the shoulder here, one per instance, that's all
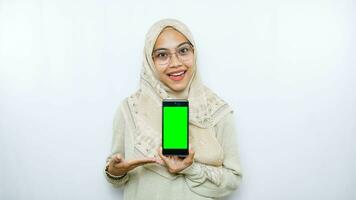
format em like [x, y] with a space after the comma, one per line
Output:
[219, 109]
[226, 126]
[213, 99]
[124, 104]
[228, 118]
[120, 107]
[124, 108]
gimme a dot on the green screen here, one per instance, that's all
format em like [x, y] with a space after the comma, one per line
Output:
[175, 127]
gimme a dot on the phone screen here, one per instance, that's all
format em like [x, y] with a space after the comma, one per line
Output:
[175, 127]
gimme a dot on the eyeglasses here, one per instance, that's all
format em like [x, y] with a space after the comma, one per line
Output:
[163, 57]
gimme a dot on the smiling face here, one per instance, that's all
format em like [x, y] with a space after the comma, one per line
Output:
[173, 56]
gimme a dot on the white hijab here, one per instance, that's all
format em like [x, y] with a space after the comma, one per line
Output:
[205, 107]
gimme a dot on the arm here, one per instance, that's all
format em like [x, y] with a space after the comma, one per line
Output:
[210, 181]
[117, 147]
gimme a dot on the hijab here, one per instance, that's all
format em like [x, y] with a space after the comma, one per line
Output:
[206, 109]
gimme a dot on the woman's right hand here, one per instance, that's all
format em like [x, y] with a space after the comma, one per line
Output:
[118, 166]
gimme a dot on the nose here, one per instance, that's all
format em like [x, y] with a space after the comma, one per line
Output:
[175, 62]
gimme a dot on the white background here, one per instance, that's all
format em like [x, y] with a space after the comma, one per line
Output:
[286, 67]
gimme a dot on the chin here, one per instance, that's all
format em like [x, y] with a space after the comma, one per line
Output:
[178, 88]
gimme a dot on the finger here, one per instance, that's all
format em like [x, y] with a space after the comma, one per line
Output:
[159, 151]
[190, 157]
[164, 158]
[191, 151]
[118, 158]
[141, 161]
[160, 161]
[159, 158]
[127, 165]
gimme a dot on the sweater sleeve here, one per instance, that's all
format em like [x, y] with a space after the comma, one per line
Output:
[210, 181]
[118, 141]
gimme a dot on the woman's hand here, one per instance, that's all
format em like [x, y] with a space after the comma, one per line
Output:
[174, 163]
[118, 166]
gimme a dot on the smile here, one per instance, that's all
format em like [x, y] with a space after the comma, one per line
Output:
[177, 76]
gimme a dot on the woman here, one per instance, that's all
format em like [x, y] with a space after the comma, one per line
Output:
[211, 169]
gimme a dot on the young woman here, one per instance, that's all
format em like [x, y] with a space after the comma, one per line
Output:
[212, 168]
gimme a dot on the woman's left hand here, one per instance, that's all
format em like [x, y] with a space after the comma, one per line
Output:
[174, 163]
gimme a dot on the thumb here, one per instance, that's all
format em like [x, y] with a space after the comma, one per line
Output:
[117, 158]
[191, 154]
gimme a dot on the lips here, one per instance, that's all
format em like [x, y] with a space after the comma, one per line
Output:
[177, 75]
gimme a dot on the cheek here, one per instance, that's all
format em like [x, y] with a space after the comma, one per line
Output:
[190, 69]
[190, 64]
[160, 71]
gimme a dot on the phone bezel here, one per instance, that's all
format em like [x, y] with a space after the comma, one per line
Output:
[175, 103]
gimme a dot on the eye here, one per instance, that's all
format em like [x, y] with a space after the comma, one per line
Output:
[184, 50]
[161, 55]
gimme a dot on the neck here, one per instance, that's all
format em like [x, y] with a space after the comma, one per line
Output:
[180, 95]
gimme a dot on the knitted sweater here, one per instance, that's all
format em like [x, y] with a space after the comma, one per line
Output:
[196, 182]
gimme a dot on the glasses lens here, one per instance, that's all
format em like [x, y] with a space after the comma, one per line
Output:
[185, 52]
[161, 57]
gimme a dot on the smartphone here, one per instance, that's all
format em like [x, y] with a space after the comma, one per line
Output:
[175, 129]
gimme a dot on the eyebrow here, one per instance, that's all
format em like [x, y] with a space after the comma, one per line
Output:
[183, 43]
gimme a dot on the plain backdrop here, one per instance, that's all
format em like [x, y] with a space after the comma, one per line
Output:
[286, 67]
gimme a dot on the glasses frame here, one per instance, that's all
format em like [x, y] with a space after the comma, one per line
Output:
[170, 53]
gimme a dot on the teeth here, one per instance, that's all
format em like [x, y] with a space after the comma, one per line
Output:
[177, 74]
